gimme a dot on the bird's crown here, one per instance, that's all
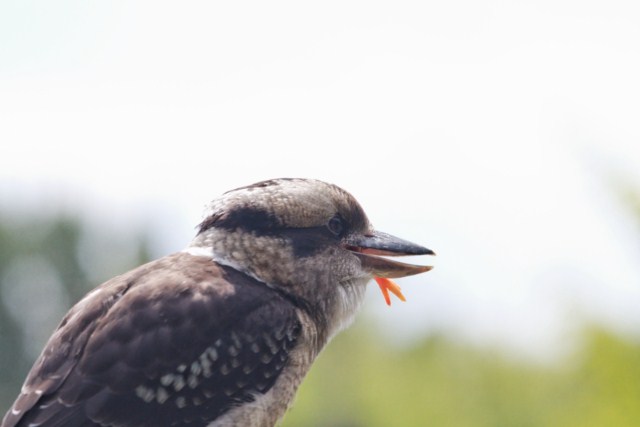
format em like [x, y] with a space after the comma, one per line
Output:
[285, 203]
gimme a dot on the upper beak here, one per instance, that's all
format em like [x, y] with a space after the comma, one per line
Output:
[368, 247]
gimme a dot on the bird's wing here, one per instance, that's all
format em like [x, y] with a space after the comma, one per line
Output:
[180, 340]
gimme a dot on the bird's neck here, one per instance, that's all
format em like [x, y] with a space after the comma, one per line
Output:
[312, 288]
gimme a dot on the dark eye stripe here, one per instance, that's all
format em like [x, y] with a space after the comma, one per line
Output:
[248, 218]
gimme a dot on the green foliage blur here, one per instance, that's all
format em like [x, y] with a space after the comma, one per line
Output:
[358, 380]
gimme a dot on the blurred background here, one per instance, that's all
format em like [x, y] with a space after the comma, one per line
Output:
[503, 135]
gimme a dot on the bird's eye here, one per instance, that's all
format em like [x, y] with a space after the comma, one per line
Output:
[336, 225]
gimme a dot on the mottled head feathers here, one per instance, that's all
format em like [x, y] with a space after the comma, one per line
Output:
[284, 204]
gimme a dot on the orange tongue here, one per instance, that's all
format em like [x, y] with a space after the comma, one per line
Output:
[387, 285]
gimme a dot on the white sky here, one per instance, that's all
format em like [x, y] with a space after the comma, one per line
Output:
[483, 130]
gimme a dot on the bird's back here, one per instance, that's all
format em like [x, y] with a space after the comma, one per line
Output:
[178, 341]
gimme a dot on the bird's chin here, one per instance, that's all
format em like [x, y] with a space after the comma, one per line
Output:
[384, 267]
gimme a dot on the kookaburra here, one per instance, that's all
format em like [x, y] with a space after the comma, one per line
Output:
[222, 333]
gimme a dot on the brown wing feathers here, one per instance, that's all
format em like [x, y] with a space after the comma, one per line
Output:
[181, 332]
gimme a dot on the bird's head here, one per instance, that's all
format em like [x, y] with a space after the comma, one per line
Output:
[306, 238]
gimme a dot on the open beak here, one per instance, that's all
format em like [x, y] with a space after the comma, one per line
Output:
[372, 247]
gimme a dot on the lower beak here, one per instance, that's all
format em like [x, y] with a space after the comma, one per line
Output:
[371, 247]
